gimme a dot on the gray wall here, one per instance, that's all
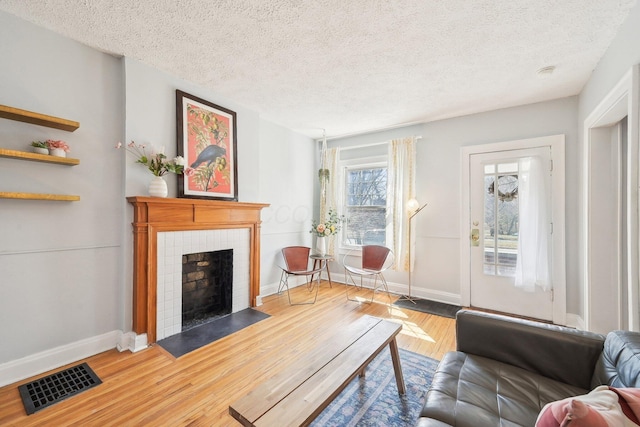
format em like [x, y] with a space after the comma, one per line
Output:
[439, 181]
[60, 269]
[65, 267]
[288, 177]
[622, 54]
[437, 269]
[150, 99]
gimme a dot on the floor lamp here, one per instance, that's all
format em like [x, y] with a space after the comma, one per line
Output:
[413, 207]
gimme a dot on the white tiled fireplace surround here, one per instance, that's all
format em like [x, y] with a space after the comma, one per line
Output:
[172, 245]
[202, 225]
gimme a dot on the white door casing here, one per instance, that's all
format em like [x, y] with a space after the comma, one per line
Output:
[606, 287]
[555, 144]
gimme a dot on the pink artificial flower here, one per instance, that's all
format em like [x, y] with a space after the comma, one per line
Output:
[320, 228]
[53, 144]
[119, 145]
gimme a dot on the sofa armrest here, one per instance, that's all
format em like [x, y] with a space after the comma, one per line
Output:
[557, 352]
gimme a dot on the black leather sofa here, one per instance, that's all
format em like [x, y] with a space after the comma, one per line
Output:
[505, 370]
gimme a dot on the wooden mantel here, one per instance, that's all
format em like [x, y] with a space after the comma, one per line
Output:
[152, 215]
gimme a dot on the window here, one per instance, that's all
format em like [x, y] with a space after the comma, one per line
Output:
[365, 204]
[501, 217]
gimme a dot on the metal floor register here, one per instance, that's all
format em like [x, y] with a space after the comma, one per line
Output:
[54, 388]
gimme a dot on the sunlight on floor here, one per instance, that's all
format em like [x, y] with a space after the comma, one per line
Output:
[414, 331]
[396, 312]
[408, 328]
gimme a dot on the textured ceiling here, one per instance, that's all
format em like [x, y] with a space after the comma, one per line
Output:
[351, 66]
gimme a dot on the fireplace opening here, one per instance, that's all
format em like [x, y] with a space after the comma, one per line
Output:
[207, 286]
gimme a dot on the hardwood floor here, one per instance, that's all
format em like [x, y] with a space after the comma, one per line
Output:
[151, 387]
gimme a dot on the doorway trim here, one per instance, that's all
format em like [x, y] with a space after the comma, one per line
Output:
[556, 144]
[622, 101]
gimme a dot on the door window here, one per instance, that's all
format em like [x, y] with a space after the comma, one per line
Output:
[500, 218]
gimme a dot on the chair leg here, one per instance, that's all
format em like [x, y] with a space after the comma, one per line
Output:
[361, 287]
[315, 298]
[384, 284]
[348, 276]
[283, 283]
[374, 289]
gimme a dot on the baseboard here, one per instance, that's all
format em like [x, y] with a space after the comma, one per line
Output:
[132, 342]
[272, 288]
[38, 363]
[403, 289]
[395, 288]
[266, 290]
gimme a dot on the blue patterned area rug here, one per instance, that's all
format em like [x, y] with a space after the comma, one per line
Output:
[373, 400]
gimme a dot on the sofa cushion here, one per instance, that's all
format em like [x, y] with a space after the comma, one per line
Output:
[474, 391]
[619, 363]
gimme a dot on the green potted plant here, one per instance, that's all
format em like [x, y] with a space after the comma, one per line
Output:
[40, 147]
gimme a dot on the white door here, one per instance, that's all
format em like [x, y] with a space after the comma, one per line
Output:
[494, 180]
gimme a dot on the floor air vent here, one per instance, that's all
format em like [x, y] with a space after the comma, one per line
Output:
[54, 388]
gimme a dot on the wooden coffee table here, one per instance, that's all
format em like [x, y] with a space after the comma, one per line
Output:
[298, 394]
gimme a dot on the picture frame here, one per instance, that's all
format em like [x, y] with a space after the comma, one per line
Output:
[206, 138]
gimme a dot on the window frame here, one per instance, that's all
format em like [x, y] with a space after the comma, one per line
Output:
[369, 162]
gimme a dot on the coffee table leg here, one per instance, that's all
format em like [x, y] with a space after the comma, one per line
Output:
[397, 369]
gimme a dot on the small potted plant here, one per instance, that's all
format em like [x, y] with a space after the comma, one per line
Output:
[40, 147]
[57, 148]
[158, 164]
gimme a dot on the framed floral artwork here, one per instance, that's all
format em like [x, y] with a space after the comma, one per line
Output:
[207, 141]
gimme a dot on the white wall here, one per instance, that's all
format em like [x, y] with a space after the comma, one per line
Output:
[60, 272]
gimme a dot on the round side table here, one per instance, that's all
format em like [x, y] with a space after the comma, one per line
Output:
[317, 258]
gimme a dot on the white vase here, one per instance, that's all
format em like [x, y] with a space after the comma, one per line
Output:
[58, 152]
[158, 187]
[321, 245]
[40, 150]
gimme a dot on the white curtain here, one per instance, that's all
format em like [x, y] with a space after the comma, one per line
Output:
[400, 188]
[329, 197]
[534, 235]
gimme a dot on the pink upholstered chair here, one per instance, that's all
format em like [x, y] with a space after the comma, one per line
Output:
[296, 259]
[374, 261]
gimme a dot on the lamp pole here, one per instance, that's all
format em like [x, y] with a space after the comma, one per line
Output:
[414, 207]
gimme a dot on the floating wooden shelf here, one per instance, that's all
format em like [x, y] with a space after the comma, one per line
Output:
[35, 157]
[37, 118]
[25, 116]
[37, 196]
